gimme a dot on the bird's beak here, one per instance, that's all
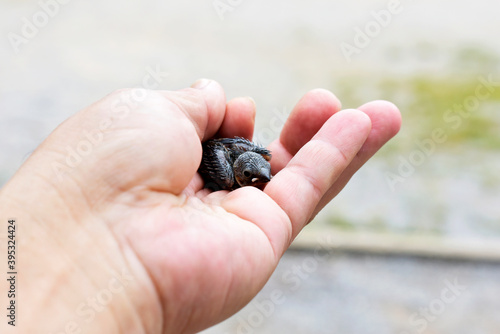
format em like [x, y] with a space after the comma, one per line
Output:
[265, 174]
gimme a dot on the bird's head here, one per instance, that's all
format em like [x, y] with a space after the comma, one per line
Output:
[251, 169]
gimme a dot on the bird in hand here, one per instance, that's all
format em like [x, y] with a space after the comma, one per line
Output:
[231, 163]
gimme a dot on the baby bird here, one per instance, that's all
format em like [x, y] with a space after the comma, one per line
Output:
[230, 163]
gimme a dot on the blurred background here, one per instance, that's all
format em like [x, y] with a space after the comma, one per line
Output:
[412, 245]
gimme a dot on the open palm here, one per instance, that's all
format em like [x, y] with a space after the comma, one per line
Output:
[200, 256]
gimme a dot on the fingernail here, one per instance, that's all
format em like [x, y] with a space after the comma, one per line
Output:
[250, 99]
[201, 83]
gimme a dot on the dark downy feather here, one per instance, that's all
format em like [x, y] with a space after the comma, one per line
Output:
[216, 166]
[240, 145]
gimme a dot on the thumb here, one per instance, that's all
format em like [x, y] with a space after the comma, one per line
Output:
[204, 104]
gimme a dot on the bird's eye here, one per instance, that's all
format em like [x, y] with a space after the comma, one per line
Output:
[246, 173]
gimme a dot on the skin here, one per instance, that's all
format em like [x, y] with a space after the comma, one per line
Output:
[127, 241]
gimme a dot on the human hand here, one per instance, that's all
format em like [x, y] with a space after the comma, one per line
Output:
[135, 203]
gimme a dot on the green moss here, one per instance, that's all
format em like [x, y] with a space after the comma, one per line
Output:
[428, 103]
[341, 223]
[474, 59]
[379, 225]
[429, 100]
[376, 224]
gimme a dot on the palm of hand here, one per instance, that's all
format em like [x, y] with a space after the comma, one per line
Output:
[207, 254]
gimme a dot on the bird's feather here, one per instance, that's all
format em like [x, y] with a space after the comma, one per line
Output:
[218, 159]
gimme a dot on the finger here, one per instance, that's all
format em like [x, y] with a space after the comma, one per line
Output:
[253, 205]
[386, 122]
[196, 114]
[239, 119]
[204, 104]
[306, 118]
[299, 187]
[194, 186]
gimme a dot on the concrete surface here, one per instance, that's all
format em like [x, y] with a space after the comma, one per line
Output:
[359, 293]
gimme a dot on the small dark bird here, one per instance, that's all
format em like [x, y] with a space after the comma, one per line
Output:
[230, 163]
